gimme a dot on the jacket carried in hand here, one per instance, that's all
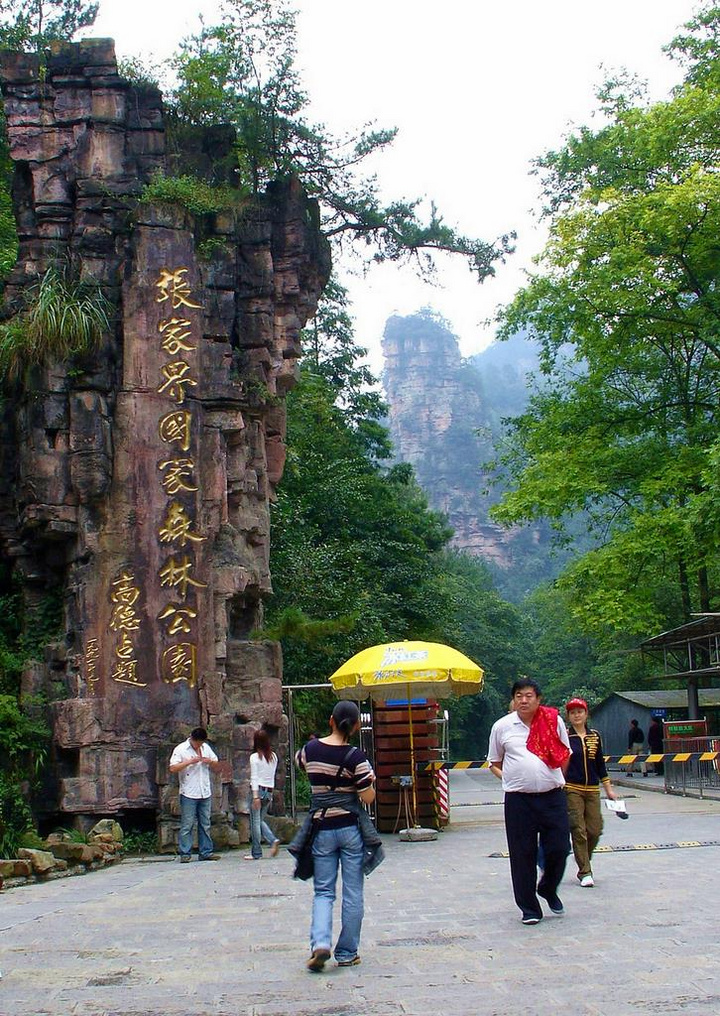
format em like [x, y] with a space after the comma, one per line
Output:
[373, 851]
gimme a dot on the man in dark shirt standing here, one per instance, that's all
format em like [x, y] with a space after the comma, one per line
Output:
[636, 740]
[655, 743]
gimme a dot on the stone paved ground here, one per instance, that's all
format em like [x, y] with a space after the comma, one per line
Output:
[442, 934]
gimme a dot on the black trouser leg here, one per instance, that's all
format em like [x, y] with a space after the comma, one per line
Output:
[522, 836]
[554, 829]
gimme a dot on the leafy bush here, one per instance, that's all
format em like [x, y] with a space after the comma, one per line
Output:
[32, 840]
[136, 842]
[15, 815]
[190, 192]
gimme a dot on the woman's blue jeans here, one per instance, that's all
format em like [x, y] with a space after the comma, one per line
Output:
[192, 810]
[259, 829]
[333, 848]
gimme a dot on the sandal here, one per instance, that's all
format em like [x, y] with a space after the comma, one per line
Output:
[274, 849]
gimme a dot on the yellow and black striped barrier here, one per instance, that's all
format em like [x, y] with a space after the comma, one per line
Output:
[668, 756]
[603, 849]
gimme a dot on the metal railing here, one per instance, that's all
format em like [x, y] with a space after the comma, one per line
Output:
[693, 774]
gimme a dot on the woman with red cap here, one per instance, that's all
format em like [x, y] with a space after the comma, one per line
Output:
[585, 772]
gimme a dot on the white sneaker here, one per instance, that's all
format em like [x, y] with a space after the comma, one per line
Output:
[587, 882]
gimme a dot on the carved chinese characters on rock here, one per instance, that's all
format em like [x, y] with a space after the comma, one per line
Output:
[154, 615]
[92, 655]
[178, 530]
[125, 623]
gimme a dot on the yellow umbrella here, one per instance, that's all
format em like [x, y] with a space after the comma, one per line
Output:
[427, 669]
[422, 669]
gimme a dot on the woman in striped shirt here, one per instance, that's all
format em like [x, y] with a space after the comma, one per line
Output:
[340, 778]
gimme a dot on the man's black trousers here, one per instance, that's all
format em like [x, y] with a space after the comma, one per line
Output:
[527, 817]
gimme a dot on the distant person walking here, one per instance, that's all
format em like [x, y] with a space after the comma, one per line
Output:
[263, 766]
[656, 743]
[192, 760]
[529, 750]
[636, 740]
[583, 777]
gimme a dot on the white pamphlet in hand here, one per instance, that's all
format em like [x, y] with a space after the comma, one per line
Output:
[617, 805]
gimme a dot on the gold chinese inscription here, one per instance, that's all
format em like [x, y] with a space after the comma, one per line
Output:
[176, 332]
[124, 596]
[92, 655]
[175, 573]
[177, 475]
[181, 619]
[179, 664]
[124, 619]
[173, 286]
[177, 526]
[175, 380]
[174, 428]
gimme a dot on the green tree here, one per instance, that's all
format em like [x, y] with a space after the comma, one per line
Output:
[242, 72]
[478, 622]
[626, 308]
[33, 24]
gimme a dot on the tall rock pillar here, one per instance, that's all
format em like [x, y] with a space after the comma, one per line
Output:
[136, 481]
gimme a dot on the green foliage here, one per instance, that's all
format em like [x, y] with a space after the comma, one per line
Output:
[74, 835]
[25, 740]
[478, 622]
[33, 24]
[137, 842]
[242, 72]
[32, 840]
[25, 733]
[212, 247]
[64, 318]
[357, 556]
[625, 428]
[331, 353]
[303, 791]
[140, 72]
[22, 732]
[196, 195]
[354, 547]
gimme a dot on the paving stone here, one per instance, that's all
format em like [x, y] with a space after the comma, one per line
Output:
[441, 933]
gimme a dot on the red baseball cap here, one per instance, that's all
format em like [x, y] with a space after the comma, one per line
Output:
[576, 703]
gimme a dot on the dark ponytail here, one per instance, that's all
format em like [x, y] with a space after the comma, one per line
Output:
[346, 715]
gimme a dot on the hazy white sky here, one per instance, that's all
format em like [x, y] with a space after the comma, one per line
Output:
[477, 89]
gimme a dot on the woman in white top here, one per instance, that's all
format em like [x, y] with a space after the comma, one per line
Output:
[263, 764]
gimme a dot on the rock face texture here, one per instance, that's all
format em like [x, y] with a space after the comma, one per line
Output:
[441, 423]
[135, 483]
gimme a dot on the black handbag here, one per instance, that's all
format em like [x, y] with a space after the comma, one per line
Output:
[305, 862]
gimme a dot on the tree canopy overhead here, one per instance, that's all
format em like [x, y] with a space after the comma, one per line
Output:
[242, 71]
[33, 24]
[625, 304]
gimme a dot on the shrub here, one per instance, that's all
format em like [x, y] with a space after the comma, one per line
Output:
[190, 192]
[64, 317]
[136, 842]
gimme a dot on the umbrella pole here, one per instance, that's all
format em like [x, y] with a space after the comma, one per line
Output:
[412, 758]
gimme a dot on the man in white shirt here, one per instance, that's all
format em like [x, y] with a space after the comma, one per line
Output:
[192, 760]
[535, 804]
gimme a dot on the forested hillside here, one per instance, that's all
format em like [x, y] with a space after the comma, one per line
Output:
[445, 416]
